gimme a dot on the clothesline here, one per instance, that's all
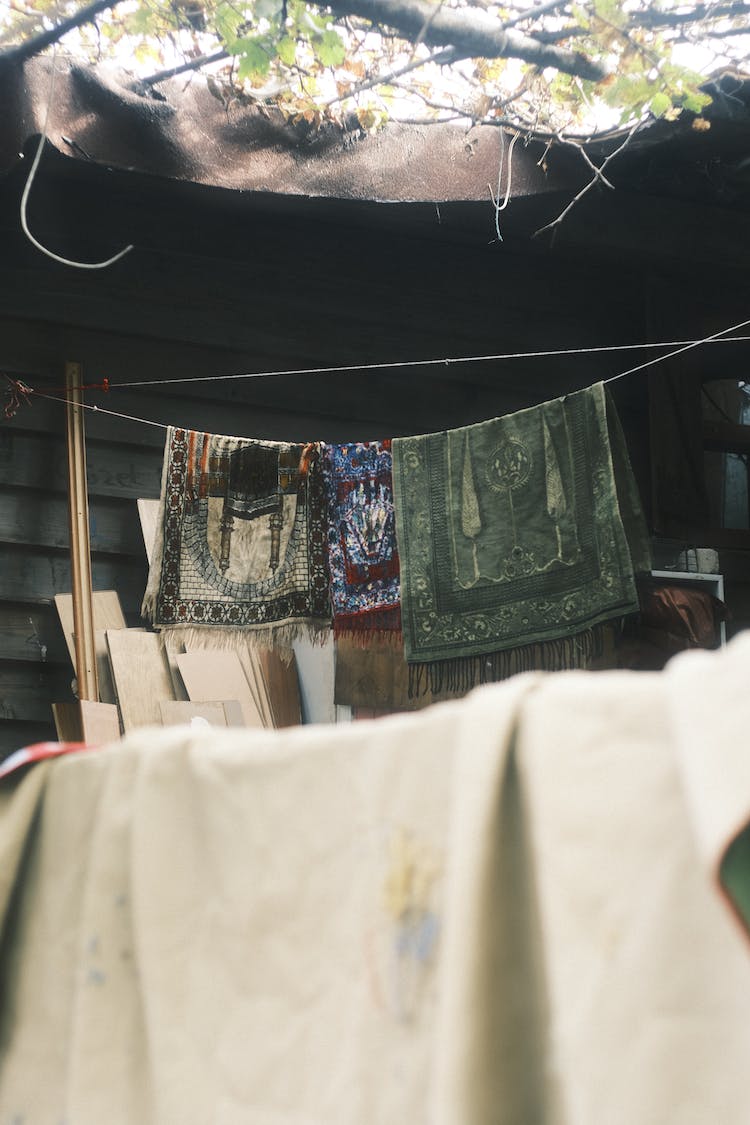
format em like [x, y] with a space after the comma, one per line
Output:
[684, 346]
[445, 362]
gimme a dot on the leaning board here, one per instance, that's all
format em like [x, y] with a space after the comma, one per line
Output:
[141, 676]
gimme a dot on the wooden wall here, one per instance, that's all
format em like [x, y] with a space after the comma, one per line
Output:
[215, 288]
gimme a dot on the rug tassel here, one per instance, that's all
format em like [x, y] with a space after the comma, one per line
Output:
[459, 676]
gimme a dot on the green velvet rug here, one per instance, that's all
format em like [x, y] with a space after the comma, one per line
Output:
[517, 531]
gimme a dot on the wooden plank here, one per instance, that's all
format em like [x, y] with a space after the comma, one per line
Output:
[727, 437]
[315, 669]
[67, 718]
[141, 676]
[100, 722]
[38, 460]
[80, 544]
[233, 713]
[27, 690]
[258, 687]
[107, 615]
[41, 520]
[31, 633]
[214, 675]
[283, 688]
[148, 513]
[171, 650]
[33, 576]
[15, 735]
[177, 712]
[86, 721]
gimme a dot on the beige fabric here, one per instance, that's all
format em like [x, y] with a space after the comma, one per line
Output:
[496, 912]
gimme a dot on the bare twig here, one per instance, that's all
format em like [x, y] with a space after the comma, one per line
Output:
[594, 180]
[445, 56]
[598, 172]
[38, 43]
[534, 13]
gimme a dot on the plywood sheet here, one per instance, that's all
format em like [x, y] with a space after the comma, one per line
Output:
[315, 669]
[100, 722]
[177, 712]
[233, 713]
[281, 681]
[103, 670]
[107, 615]
[215, 675]
[148, 512]
[258, 687]
[141, 676]
[67, 722]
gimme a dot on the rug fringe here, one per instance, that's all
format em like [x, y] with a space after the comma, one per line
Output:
[279, 638]
[456, 677]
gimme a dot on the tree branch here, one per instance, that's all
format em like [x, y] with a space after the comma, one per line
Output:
[473, 32]
[38, 43]
[193, 64]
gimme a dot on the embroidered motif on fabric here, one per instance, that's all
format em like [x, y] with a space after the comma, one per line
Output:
[363, 559]
[242, 541]
[512, 532]
[508, 466]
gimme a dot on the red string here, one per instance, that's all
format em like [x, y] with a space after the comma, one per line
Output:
[17, 395]
[101, 386]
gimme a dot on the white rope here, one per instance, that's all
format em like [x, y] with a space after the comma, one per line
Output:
[27, 191]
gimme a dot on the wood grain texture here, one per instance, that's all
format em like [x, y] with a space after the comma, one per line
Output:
[14, 735]
[283, 687]
[38, 518]
[178, 712]
[27, 691]
[100, 722]
[148, 514]
[212, 675]
[141, 676]
[118, 471]
[107, 614]
[96, 724]
[35, 576]
[67, 718]
[32, 634]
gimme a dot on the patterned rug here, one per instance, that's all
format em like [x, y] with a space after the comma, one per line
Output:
[240, 540]
[514, 533]
[362, 553]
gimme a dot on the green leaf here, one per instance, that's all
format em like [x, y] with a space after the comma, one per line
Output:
[254, 59]
[660, 103]
[696, 101]
[228, 21]
[287, 50]
[330, 49]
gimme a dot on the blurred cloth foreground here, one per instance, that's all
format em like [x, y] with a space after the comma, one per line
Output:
[505, 911]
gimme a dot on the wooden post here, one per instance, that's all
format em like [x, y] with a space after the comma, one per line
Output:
[80, 548]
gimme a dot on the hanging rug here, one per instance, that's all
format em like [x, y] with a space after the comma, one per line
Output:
[362, 552]
[240, 542]
[517, 531]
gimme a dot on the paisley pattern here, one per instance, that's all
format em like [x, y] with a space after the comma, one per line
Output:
[513, 531]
